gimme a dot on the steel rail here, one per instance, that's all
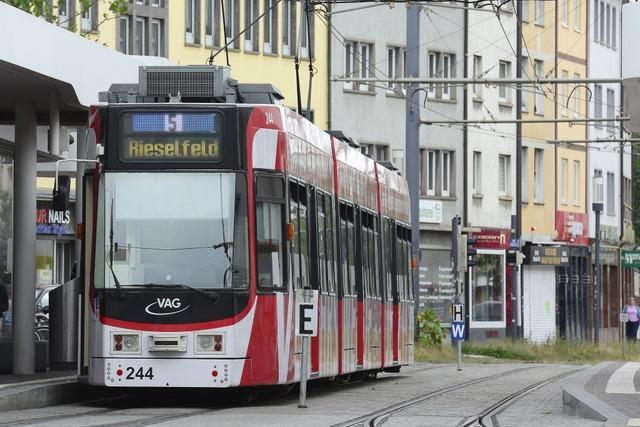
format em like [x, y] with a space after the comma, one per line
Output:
[504, 403]
[373, 418]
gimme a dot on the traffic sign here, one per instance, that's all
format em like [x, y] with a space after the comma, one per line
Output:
[624, 317]
[457, 331]
[307, 319]
[458, 313]
[514, 243]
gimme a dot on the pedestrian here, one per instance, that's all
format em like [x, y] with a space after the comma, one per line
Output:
[4, 303]
[632, 324]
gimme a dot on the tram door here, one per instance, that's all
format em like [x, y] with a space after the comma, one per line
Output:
[324, 346]
[349, 299]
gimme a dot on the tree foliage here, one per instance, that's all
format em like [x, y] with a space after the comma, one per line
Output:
[48, 9]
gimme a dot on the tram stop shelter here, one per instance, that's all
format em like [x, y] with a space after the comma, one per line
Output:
[48, 78]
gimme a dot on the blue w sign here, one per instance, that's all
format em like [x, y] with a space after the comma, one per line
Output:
[457, 331]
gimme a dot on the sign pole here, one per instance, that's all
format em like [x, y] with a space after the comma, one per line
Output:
[304, 365]
[624, 318]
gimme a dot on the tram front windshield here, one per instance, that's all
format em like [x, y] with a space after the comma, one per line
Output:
[174, 229]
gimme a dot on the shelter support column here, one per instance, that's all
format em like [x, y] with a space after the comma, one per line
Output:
[24, 241]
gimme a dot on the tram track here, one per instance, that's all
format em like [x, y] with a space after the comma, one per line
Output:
[376, 418]
[487, 417]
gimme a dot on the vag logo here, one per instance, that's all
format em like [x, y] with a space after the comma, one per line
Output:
[158, 307]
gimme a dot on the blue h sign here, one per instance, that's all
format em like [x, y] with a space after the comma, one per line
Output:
[457, 331]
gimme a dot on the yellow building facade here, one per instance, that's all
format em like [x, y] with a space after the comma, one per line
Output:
[538, 170]
[188, 32]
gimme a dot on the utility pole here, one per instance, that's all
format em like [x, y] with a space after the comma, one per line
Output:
[517, 224]
[412, 136]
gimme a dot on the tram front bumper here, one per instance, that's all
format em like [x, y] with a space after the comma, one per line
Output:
[166, 372]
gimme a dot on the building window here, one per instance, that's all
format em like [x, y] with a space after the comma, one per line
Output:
[88, 19]
[611, 193]
[156, 37]
[447, 166]
[564, 164]
[251, 35]
[563, 93]
[232, 17]
[576, 183]
[477, 70]
[123, 34]
[212, 23]
[190, 21]
[607, 20]
[477, 172]
[307, 30]
[377, 152]
[614, 36]
[525, 10]
[611, 107]
[64, 15]
[155, 3]
[576, 97]
[596, 21]
[288, 27]
[394, 68]
[447, 74]
[525, 91]
[538, 175]
[597, 104]
[576, 15]
[525, 174]
[504, 166]
[140, 37]
[349, 62]
[397, 157]
[565, 11]
[431, 88]
[538, 108]
[270, 26]
[597, 173]
[602, 19]
[441, 65]
[539, 12]
[504, 93]
[432, 168]
[365, 62]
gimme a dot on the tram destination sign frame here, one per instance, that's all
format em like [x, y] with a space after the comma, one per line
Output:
[171, 136]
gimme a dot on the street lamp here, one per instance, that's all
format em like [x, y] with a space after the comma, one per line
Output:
[597, 207]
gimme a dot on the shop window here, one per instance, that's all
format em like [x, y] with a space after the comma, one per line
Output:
[488, 289]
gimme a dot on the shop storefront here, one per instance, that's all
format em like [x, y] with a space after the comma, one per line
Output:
[55, 244]
[539, 289]
[489, 286]
[573, 281]
[612, 296]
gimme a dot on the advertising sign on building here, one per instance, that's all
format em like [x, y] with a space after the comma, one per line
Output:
[631, 259]
[546, 255]
[572, 227]
[492, 238]
[431, 211]
[55, 223]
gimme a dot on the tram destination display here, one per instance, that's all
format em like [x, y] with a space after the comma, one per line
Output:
[167, 136]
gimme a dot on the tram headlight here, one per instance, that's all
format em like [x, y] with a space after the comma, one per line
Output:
[210, 343]
[125, 343]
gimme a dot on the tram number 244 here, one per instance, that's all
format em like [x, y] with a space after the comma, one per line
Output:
[132, 373]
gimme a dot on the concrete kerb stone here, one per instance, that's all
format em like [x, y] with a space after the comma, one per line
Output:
[38, 395]
[577, 401]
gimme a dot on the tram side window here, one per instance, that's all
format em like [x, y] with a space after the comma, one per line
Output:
[400, 263]
[351, 240]
[299, 245]
[347, 236]
[364, 247]
[344, 249]
[270, 231]
[387, 258]
[330, 240]
[375, 235]
[322, 254]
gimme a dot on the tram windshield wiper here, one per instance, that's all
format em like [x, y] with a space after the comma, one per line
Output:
[212, 296]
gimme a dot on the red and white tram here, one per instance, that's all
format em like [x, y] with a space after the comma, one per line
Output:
[204, 221]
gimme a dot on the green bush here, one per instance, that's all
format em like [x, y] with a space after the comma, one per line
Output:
[430, 331]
